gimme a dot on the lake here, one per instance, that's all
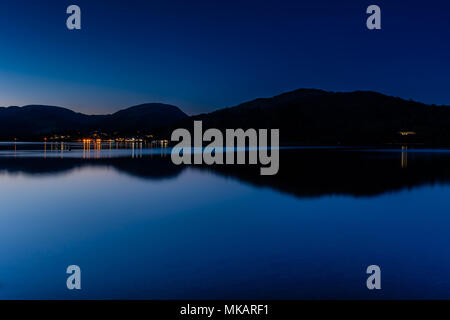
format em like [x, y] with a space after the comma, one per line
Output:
[140, 227]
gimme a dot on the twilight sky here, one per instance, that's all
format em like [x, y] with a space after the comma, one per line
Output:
[205, 55]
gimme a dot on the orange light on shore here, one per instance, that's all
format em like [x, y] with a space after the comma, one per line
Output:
[407, 133]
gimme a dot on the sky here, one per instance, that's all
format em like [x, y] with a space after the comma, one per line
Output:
[206, 55]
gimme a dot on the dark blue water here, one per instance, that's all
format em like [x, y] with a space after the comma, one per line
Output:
[140, 228]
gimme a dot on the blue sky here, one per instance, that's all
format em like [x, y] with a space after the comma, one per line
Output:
[205, 55]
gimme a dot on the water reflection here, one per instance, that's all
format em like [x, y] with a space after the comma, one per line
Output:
[303, 172]
[143, 228]
[404, 157]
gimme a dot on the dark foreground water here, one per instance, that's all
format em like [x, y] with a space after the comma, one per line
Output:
[142, 228]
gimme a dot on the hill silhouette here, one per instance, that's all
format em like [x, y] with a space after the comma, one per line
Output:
[317, 117]
[304, 116]
[36, 120]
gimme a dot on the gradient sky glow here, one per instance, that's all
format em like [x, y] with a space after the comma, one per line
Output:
[205, 55]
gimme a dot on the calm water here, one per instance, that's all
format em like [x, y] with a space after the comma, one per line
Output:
[142, 228]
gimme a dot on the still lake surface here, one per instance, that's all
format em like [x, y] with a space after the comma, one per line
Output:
[142, 228]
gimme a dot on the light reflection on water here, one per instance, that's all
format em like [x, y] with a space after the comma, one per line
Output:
[140, 227]
[80, 150]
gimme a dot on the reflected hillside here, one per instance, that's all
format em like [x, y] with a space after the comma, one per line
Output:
[149, 167]
[312, 173]
[303, 172]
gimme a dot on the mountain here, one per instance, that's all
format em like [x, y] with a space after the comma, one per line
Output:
[35, 120]
[142, 118]
[317, 117]
[304, 117]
